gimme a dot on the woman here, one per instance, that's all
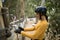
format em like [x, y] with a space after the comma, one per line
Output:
[40, 28]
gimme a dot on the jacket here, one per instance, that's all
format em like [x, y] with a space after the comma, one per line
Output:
[39, 30]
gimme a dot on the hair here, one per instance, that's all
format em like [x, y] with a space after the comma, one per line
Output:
[43, 14]
[42, 11]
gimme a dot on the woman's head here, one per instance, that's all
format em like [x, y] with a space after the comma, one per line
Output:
[41, 13]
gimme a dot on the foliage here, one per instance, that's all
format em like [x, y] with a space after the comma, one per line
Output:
[11, 4]
[54, 14]
[30, 6]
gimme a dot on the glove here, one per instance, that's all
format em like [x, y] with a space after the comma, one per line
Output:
[18, 31]
[21, 28]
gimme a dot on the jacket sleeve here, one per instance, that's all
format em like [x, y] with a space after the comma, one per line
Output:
[32, 28]
[27, 35]
[39, 32]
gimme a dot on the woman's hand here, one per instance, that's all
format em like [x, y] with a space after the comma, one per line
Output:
[19, 30]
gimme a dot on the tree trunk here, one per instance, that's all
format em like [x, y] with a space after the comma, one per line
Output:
[22, 14]
[22, 6]
[5, 15]
[2, 31]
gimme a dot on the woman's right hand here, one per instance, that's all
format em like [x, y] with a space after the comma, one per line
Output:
[19, 30]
